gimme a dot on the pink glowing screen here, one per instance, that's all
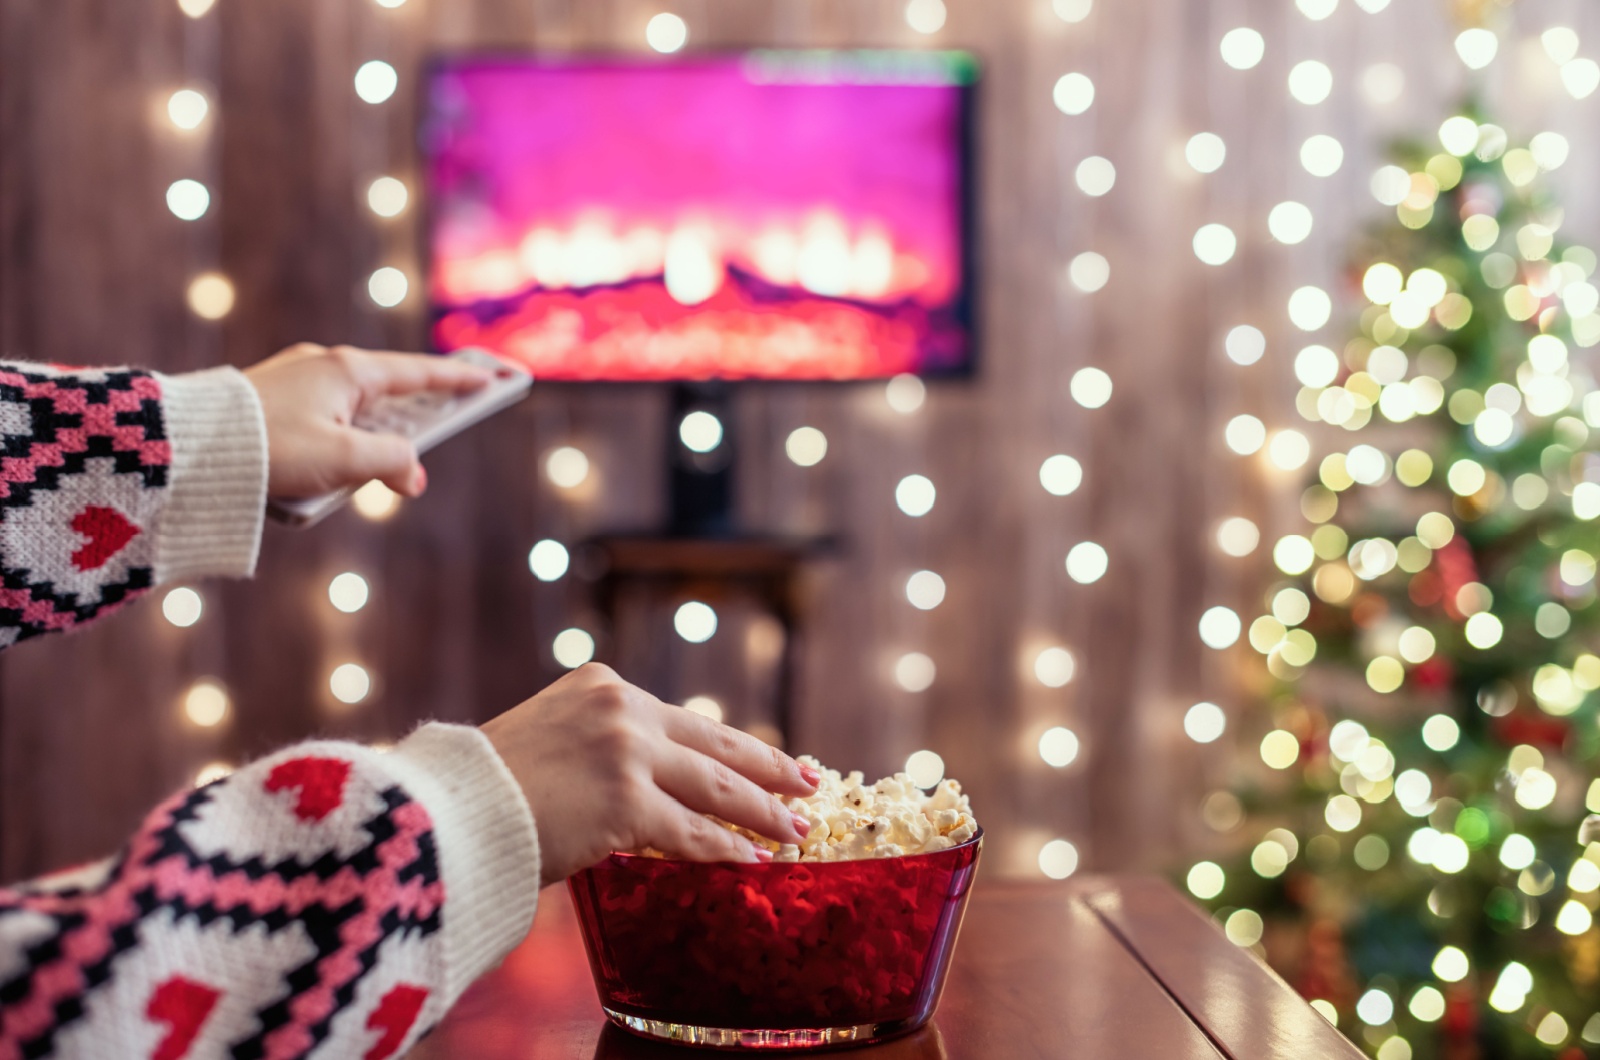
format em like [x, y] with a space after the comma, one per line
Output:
[775, 215]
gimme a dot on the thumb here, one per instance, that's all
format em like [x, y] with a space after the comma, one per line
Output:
[389, 458]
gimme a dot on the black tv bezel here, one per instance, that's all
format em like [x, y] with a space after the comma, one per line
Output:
[967, 305]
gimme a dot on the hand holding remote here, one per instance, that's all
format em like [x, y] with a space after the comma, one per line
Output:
[310, 396]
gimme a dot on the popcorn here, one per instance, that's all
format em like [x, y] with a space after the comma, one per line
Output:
[893, 818]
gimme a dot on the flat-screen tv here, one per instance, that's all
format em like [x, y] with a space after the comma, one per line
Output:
[768, 215]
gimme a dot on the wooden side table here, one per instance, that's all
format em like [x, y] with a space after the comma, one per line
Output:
[766, 569]
[1117, 967]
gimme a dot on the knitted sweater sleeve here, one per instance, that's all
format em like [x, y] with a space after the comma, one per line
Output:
[115, 480]
[328, 902]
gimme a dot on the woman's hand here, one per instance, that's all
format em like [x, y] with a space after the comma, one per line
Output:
[606, 766]
[311, 393]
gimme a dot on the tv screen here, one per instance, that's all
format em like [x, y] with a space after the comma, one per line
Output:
[771, 215]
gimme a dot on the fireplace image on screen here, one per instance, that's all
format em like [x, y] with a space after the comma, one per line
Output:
[770, 215]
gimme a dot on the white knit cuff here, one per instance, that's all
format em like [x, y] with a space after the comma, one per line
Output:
[488, 847]
[211, 524]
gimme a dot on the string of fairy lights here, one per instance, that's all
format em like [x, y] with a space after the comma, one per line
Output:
[210, 296]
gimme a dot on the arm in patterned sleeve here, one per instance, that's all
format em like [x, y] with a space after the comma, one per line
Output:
[116, 480]
[329, 901]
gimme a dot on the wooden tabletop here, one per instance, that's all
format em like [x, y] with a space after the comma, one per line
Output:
[1102, 967]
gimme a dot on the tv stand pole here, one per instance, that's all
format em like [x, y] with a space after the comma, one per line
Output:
[700, 486]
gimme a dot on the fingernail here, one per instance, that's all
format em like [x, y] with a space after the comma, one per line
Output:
[421, 481]
[810, 776]
[801, 825]
[763, 855]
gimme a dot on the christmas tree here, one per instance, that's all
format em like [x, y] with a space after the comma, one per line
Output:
[1417, 860]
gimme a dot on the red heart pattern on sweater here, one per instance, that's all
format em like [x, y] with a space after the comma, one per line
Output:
[108, 531]
[393, 1019]
[183, 1005]
[319, 781]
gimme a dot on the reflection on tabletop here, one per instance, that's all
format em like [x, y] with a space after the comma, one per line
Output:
[615, 1044]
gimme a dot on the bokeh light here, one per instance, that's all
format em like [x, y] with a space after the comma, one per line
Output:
[387, 197]
[206, 703]
[1242, 48]
[348, 592]
[1215, 244]
[350, 683]
[1245, 434]
[915, 672]
[1204, 722]
[1280, 749]
[1205, 152]
[1321, 155]
[1089, 272]
[1220, 627]
[1060, 475]
[182, 607]
[1058, 747]
[905, 393]
[1058, 859]
[926, 16]
[1091, 387]
[376, 81]
[1095, 176]
[1290, 222]
[666, 32]
[548, 560]
[188, 199]
[700, 431]
[1206, 880]
[566, 467]
[210, 296]
[573, 647]
[388, 287]
[1238, 536]
[1054, 667]
[1244, 344]
[925, 590]
[806, 446]
[1087, 562]
[187, 108]
[375, 501]
[1073, 94]
[695, 621]
[1288, 450]
[915, 495]
[1477, 47]
[1382, 84]
[925, 768]
[1310, 82]
[1309, 308]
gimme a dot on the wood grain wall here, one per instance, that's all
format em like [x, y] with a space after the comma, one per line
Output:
[93, 269]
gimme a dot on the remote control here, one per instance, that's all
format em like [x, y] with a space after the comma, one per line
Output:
[427, 418]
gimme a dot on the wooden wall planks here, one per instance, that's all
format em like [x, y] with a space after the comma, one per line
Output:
[92, 269]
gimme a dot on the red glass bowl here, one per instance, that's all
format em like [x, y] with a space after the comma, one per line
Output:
[774, 956]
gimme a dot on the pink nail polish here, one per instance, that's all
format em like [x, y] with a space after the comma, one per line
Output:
[801, 825]
[810, 776]
[763, 855]
[422, 479]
